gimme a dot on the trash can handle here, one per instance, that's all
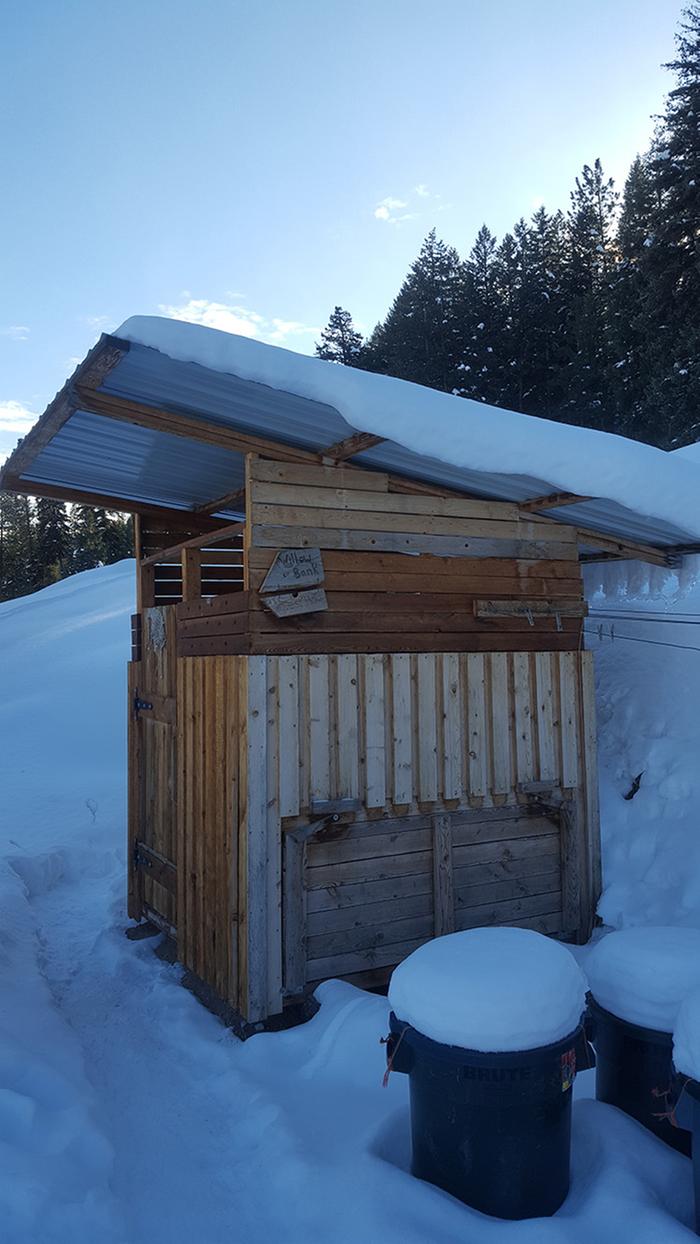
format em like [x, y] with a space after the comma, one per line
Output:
[393, 1044]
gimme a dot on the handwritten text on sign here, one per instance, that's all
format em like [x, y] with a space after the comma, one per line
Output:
[289, 604]
[294, 568]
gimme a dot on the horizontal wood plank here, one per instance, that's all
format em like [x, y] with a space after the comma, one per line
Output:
[351, 561]
[309, 476]
[362, 893]
[278, 536]
[351, 520]
[355, 499]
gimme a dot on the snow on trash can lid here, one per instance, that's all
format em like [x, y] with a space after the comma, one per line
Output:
[643, 974]
[686, 1036]
[495, 990]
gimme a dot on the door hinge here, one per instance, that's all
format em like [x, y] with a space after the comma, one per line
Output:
[140, 706]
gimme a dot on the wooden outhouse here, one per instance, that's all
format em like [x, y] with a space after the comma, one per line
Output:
[361, 713]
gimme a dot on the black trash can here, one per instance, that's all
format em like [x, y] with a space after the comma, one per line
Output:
[494, 1130]
[691, 1089]
[635, 1072]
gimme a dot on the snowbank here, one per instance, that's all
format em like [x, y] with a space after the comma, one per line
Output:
[644, 628]
[127, 1112]
[490, 989]
[453, 429]
[642, 975]
[686, 1036]
[62, 709]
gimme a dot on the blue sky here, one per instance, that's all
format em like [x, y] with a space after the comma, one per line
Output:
[250, 163]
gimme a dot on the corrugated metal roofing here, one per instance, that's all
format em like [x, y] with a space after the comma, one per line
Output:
[99, 454]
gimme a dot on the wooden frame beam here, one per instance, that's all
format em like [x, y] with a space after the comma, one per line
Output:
[160, 419]
[352, 445]
[95, 367]
[104, 501]
[623, 548]
[175, 551]
[553, 500]
[228, 501]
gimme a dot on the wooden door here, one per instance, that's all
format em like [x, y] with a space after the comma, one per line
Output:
[153, 772]
[360, 897]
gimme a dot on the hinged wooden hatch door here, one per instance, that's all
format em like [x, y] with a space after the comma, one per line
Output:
[153, 773]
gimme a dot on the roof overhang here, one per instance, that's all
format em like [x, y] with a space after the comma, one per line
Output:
[136, 430]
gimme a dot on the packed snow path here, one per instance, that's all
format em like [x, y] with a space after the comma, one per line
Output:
[127, 1112]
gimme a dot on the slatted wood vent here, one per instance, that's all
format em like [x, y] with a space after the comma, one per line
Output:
[464, 786]
[361, 897]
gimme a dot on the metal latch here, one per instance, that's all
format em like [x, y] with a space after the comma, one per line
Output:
[140, 706]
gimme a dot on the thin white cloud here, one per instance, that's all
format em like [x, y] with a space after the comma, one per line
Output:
[221, 315]
[422, 190]
[234, 318]
[282, 329]
[97, 321]
[15, 418]
[388, 208]
[16, 332]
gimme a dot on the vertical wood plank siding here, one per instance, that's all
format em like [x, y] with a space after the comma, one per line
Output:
[410, 730]
[436, 751]
[207, 823]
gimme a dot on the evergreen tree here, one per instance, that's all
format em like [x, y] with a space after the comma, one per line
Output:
[340, 341]
[17, 546]
[592, 259]
[634, 341]
[672, 259]
[484, 322]
[422, 336]
[116, 536]
[544, 313]
[52, 541]
[87, 536]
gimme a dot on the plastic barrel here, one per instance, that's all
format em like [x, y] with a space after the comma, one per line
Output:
[634, 1071]
[494, 1130]
[692, 1089]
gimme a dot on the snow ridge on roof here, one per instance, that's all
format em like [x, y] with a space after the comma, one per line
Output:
[456, 430]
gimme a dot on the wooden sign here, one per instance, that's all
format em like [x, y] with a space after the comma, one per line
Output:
[289, 604]
[532, 608]
[294, 568]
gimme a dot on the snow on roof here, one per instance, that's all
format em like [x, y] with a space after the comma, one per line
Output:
[690, 452]
[463, 433]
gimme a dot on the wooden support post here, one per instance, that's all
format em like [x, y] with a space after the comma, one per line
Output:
[273, 831]
[253, 843]
[443, 875]
[250, 460]
[145, 586]
[135, 895]
[589, 762]
[572, 862]
[294, 915]
[191, 574]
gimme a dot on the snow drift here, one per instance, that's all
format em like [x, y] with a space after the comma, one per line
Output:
[644, 628]
[127, 1112]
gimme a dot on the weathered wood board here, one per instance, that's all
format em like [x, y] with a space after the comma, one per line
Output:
[469, 778]
[372, 892]
[294, 604]
[294, 568]
[153, 770]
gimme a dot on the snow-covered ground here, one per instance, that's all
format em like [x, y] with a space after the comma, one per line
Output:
[128, 1113]
[645, 630]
